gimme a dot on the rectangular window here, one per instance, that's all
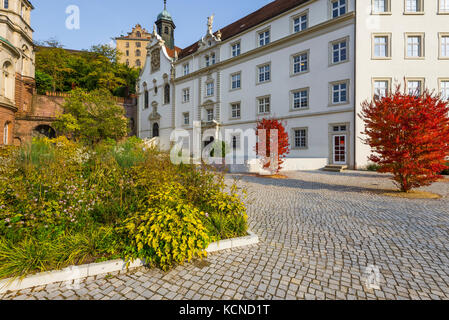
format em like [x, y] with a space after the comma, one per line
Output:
[381, 88]
[380, 6]
[340, 93]
[264, 38]
[264, 105]
[207, 58]
[381, 47]
[186, 95]
[186, 119]
[186, 69]
[300, 23]
[414, 87]
[301, 99]
[444, 6]
[444, 44]
[301, 63]
[339, 7]
[301, 138]
[412, 6]
[213, 58]
[236, 49]
[339, 51]
[444, 87]
[414, 46]
[264, 73]
[236, 81]
[210, 89]
[210, 115]
[147, 100]
[235, 111]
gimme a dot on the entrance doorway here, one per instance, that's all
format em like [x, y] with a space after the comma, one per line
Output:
[340, 149]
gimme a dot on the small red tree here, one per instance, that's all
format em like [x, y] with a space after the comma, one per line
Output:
[273, 145]
[409, 136]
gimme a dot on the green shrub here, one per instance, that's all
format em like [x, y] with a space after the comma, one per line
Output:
[60, 201]
[372, 167]
[170, 232]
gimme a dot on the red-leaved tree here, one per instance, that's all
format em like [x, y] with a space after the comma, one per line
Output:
[409, 135]
[276, 146]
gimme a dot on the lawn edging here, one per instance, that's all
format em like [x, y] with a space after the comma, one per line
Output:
[94, 269]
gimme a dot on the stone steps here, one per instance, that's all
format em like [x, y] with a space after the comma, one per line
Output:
[335, 168]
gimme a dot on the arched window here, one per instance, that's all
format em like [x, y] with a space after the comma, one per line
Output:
[155, 130]
[137, 53]
[44, 130]
[6, 133]
[8, 80]
[167, 94]
[138, 34]
[138, 63]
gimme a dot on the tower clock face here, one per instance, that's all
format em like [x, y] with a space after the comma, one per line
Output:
[155, 60]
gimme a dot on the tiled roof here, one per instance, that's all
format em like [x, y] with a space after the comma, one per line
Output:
[171, 52]
[271, 10]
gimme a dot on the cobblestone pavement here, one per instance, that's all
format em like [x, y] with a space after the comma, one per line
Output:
[319, 232]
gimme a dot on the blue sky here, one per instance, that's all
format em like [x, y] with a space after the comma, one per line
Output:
[101, 20]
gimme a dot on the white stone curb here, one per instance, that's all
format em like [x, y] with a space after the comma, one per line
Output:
[89, 270]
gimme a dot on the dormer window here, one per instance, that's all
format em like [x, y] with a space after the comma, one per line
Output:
[138, 34]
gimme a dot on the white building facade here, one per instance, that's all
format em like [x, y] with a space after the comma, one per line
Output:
[309, 63]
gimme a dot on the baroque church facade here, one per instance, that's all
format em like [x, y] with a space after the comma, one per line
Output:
[309, 63]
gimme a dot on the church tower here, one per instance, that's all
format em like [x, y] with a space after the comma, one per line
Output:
[166, 27]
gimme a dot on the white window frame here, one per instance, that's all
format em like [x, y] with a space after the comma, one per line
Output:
[303, 138]
[238, 81]
[264, 102]
[266, 38]
[186, 95]
[6, 133]
[236, 113]
[266, 78]
[378, 80]
[186, 116]
[186, 68]
[421, 53]
[300, 62]
[443, 6]
[338, 8]
[444, 95]
[302, 18]
[294, 100]
[340, 49]
[419, 7]
[331, 92]
[238, 141]
[209, 112]
[210, 89]
[421, 82]
[387, 7]
[235, 52]
[388, 53]
[443, 52]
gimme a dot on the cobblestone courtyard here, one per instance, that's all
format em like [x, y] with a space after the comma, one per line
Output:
[318, 233]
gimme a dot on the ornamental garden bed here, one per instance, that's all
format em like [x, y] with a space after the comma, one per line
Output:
[63, 203]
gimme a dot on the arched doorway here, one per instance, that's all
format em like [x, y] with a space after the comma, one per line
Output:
[155, 130]
[44, 130]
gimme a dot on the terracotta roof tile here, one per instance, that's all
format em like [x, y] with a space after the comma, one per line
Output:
[171, 52]
[265, 13]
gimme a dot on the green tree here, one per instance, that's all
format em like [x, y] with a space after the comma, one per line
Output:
[92, 117]
[44, 82]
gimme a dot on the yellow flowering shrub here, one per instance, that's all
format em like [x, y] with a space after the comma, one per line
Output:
[169, 232]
